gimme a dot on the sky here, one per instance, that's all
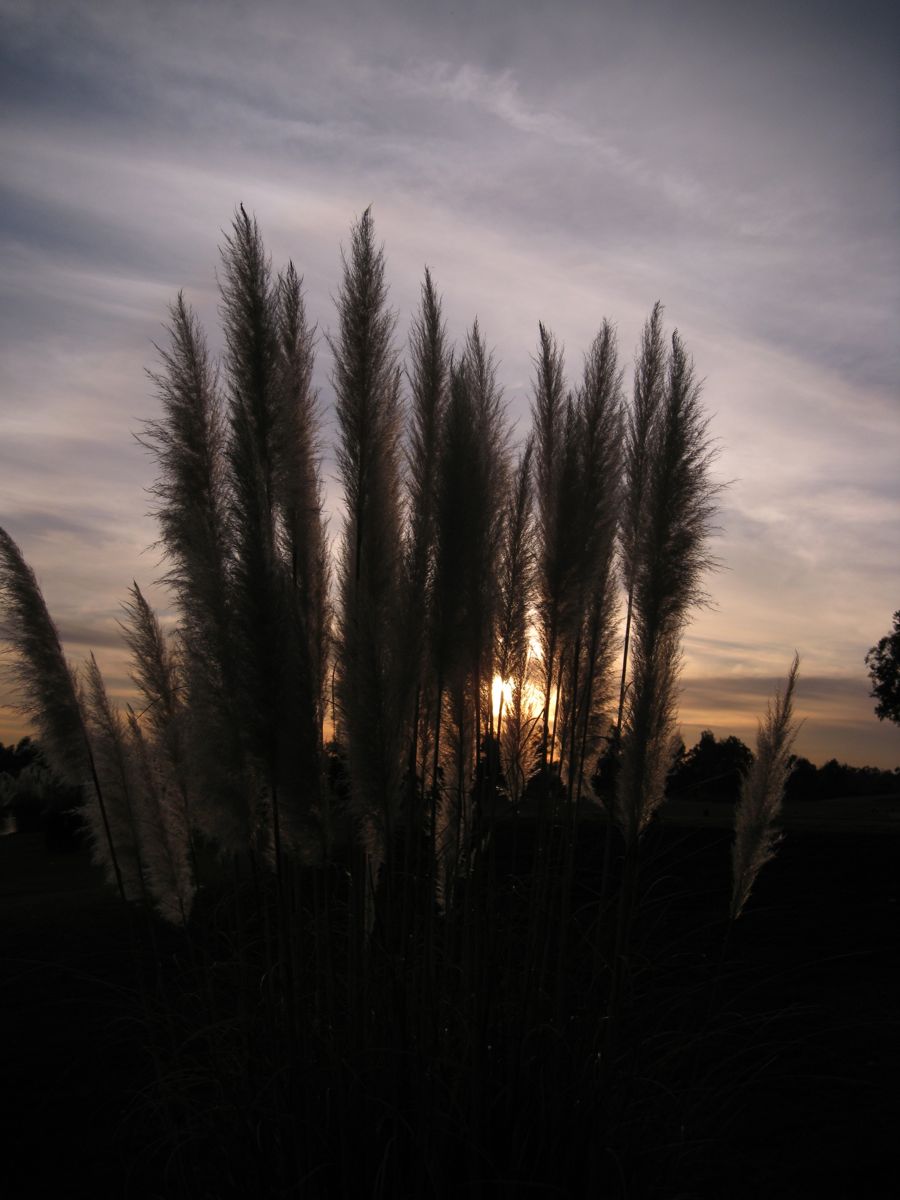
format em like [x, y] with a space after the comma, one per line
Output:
[558, 163]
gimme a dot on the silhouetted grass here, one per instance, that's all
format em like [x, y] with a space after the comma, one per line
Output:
[417, 959]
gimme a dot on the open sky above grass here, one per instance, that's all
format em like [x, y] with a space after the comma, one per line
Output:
[558, 163]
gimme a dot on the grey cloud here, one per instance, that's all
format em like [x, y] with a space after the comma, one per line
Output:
[89, 527]
[728, 691]
[836, 715]
[90, 635]
[548, 147]
[70, 233]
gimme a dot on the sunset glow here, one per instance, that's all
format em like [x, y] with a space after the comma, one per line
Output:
[487, 166]
[532, 699]
[449, 528]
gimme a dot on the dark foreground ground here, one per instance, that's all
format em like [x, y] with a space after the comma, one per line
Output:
[817, 976]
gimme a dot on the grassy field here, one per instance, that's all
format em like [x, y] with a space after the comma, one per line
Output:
[809, 1007]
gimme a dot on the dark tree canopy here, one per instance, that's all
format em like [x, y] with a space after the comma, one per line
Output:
[14, 759]
[711, 770]
[883, 661]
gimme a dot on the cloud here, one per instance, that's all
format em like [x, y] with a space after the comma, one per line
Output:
[739, 163]
[836, 714]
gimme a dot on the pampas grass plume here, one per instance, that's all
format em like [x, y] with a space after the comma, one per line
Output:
[46, 686]
[756, 836]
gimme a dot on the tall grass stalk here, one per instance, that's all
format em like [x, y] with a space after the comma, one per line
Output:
[47, 693]
[196, 537]
[472, 480]
[756, 834]
[668, 562]
[649, 382]
[268, 661]
[428, 374]
[45, 685]
[600, 441]
[164, 807]
[516, 598]
[555, 488]
[298, 489]
[372, 713]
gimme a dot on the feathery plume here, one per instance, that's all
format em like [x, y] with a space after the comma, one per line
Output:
[669, 559]
[275, 512]
[49, 697]
[303, 548]
[762, 789]
[472, 483]
[600, 443]
[188, 447]
[366, 382]
[458, 513]
[45, 685]
[153, 667]
[555, 451]
[515, 722]
[298, 486]
[649, 385]
[164, 805]
[258, 592]
[488, 488]
[117, 786]
[516, 575]
[161, 821]
[191, 490]
[428, 377]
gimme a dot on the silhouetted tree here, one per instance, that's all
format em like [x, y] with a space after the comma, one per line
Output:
[802, 782]
[883, 661]
[835, 779]
[14, 759]
[712, 769]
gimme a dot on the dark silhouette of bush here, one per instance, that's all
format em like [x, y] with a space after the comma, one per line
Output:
[14, 759]
[37, 798]
[803, 781]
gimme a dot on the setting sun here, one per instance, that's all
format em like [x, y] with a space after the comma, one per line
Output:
[502, 691]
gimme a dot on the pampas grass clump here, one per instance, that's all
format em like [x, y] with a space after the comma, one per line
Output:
[402, 976]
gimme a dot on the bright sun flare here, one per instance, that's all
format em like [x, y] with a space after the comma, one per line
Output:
[532, 698]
